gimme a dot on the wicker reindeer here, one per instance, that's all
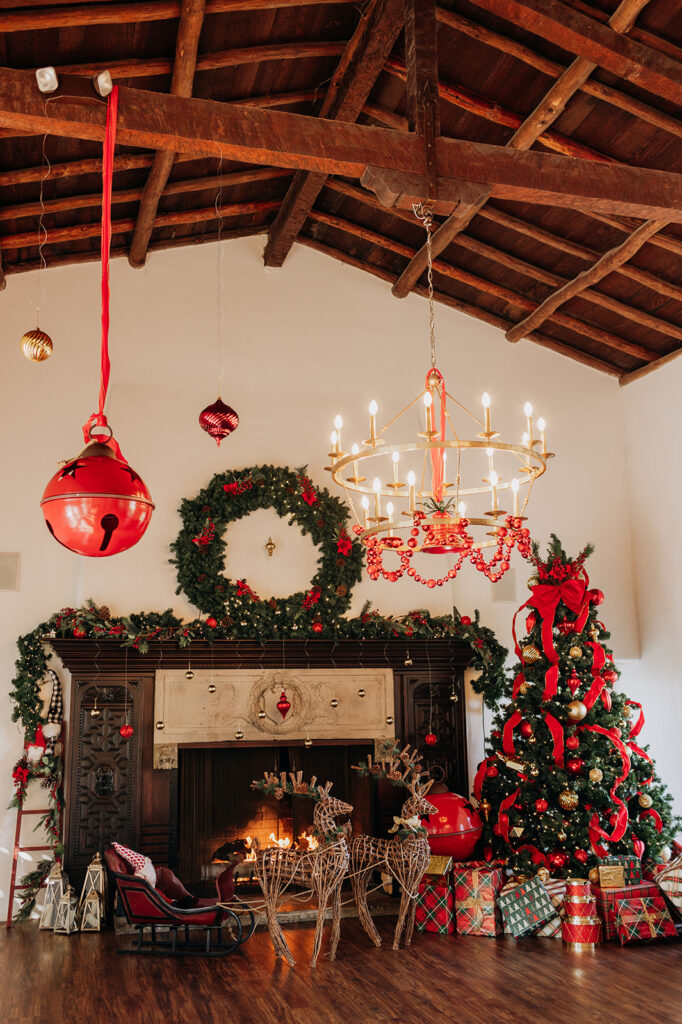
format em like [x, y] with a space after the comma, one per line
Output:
[406, 855]
[321, 869]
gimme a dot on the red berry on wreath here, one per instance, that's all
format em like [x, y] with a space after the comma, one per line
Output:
[465, 620]
[126, 731]
[78, 631]
[541, 805]
[430, 739]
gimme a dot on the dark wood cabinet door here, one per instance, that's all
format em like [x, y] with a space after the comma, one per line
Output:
[428, 706]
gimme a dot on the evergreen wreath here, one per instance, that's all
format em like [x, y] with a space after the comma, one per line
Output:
[200, 550]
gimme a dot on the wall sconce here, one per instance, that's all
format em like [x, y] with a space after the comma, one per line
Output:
[270, 547]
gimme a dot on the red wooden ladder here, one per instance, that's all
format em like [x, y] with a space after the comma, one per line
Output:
[18, 848]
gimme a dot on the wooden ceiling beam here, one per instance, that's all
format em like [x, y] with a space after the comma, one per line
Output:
[511, 262]
[519, 51]
[182, 84]
[601, 44]
[604, 266]
[206, 128]
[152, 67]
[133, 13]
[348, 91]
[579, 356]
[532, 128]
[480, 284]
[75, 232]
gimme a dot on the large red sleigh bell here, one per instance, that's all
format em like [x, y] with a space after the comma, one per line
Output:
[97, 505]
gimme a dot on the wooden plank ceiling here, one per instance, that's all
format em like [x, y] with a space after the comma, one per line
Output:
[600, 83]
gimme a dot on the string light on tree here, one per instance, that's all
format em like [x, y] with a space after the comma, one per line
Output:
[463, 518]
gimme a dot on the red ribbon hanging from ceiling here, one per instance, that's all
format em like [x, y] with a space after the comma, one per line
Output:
[437, 453]
[98, 418]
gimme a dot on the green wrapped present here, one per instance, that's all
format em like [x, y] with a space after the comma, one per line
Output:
[632, 867]
[526, 907]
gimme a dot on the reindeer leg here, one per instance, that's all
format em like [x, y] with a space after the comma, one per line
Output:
[336, 923]
[276, 934]
[360, 883]
[409, 922]
[319, 929]
[402, 917]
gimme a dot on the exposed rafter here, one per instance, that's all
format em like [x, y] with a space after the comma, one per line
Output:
[186, 48]
[532, 128]
[348, 90]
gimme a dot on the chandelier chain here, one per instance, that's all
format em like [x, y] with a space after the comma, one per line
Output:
[425, 215]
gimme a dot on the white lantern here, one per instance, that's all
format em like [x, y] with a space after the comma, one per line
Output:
[57, 882]
[67, 914]
[95, 879]
[92, 912]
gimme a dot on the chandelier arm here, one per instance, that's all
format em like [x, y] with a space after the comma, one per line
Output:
[452, 426]
[464, 409]
[402, 412]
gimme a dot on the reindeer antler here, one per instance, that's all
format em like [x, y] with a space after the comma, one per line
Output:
[400, 766]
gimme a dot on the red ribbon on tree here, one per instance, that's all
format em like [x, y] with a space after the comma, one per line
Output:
[557, 734]
[637, 727]
[651, 812]
[508, 732]
[596, 832]
[503, 817]
[598, 682]
[480, 775]
[535, 855]
[518, 683]
[642, 753]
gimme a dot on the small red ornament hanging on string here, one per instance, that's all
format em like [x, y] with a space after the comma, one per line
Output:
[218, 420]
[283, 704]
[126, 731]
[430, 739]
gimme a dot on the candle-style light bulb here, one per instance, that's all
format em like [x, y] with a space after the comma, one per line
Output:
[428, 405]
[541, 428]
[485, 402]
[515, 491]
[334, 438]
[338, 423]
[365, 505]
[354, 451]
[489, 453]
[396, 459]
[411, 481]
[373, 420]
[528, 409]
[376, 484]
[389, 513]
[493, 488]
[461, 508]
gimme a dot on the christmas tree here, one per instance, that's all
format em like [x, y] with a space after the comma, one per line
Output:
[565, 781]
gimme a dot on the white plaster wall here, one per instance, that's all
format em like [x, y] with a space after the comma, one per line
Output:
[653, 437]
[301, 344]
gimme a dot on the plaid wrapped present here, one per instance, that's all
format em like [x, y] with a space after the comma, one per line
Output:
[476, 885]
[651, 871]
[644, 918]
[632, 867]
[435, 911]
[669, 880]
[607, 899]
[525, 907]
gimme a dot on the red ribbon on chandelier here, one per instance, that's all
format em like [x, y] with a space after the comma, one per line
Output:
[437, 453]
[98, 418]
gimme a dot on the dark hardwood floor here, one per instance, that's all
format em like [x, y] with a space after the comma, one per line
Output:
[79, 979]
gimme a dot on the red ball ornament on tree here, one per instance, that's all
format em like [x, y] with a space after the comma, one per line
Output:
[581, 856]
[595, 596]
[317, 627]
[126, 731]
[574, 765]
[218, 420]
[526, 729]
[541, 805]
[430, 739]
[97, 505]
[556, 860]
[572, 742]
[492, 771]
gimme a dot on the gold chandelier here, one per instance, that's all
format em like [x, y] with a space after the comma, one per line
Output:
[407, 504]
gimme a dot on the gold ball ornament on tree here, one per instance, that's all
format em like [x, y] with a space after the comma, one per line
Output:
[532, 582]
[575, 652]
[568, 800]
[561, 836]
[596, 775]
[644, 800]
[36, 345]
[627, 711]
[576, 711]
[530, 654]
[594, 876]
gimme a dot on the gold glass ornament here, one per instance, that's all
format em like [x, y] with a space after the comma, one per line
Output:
[530, 654]
[575, 652]
[594, 876]
[307, 742]
[362, 691]
[532, 582]
[523, 688]
[36, 345]
[568, 800]
[544, 874]
[576, 711]
[334, 702]
[627, 711]
[211, 687]
[594, 633]
[533, 770]
[596, 775]
[644, 800]
[239, 735]
[485, 807]
[516, 831]
[561, 836]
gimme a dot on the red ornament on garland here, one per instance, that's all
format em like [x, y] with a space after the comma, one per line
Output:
[465, 620]
[430, 739]
[283, 704]
[126, 731]
[218, 420]
[541, 805]
[78, 631]
[211, 622]
[526, 729]
[572, 742]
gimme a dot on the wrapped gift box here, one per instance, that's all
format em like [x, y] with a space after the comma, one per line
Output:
[607, 900]
[525, 907]
[476, 886]
[435, 911]
[632, 867]
[668, 878]
[644, 919]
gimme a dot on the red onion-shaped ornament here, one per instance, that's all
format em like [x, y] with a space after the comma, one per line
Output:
[430, 739]
[218, 420]
[96, 504]
[283, 704]
[126, 731]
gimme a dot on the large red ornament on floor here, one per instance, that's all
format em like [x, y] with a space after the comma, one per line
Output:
[97, 505]
[455, 828]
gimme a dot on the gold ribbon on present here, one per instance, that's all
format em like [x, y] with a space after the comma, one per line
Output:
[477, 903]
[637, 917]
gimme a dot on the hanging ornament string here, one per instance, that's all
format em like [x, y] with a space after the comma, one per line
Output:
[99, 418]
[42, 232]
[221, 283]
